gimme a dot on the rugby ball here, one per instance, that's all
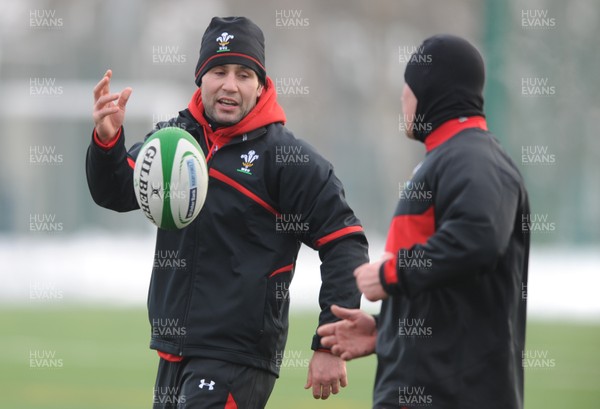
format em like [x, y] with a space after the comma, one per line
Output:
[170, 178]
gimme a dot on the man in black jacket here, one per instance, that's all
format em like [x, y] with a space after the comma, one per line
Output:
[451, 331]
[220, 319]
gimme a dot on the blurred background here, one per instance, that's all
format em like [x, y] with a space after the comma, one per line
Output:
[75, 276]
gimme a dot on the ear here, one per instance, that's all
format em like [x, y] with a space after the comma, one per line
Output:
[260, 89]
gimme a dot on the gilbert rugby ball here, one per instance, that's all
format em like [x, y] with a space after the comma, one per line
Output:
[170, 178]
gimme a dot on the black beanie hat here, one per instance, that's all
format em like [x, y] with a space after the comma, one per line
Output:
[446, 74]
[232, 40]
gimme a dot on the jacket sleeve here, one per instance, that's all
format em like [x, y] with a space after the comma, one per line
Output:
[476, 203]
[109, 171]
[313, 192]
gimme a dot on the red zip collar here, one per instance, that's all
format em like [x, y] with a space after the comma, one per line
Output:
[452, 127]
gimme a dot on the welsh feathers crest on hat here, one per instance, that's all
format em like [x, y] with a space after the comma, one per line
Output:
[223, 41]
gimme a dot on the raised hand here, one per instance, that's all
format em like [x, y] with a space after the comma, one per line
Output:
[109, 109]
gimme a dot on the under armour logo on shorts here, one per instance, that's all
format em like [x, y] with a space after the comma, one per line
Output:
[210, 385]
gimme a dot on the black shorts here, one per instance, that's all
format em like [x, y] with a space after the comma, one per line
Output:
[198, 383]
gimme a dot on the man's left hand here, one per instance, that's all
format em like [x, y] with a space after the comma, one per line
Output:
[326, 373]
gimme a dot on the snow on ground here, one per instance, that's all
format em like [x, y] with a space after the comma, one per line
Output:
[104, 269]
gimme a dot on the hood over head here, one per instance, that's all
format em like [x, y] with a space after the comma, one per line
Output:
[446, 74]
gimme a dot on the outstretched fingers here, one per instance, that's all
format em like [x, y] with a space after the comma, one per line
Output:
[345, 313]
[103, 86]
[326, 329]
[105, 106]
[124, 97]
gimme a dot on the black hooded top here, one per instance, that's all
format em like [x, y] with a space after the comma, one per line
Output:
[446, 74]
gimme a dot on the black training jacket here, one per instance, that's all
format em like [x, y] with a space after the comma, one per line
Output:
[452, 333]
[219, 287]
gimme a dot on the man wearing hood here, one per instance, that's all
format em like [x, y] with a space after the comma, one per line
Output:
[229, 302]
[451, 331]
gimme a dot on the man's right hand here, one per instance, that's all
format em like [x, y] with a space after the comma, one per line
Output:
[352, 337]
[108, 115]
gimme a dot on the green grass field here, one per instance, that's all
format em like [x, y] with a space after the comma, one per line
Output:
[100, 359]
